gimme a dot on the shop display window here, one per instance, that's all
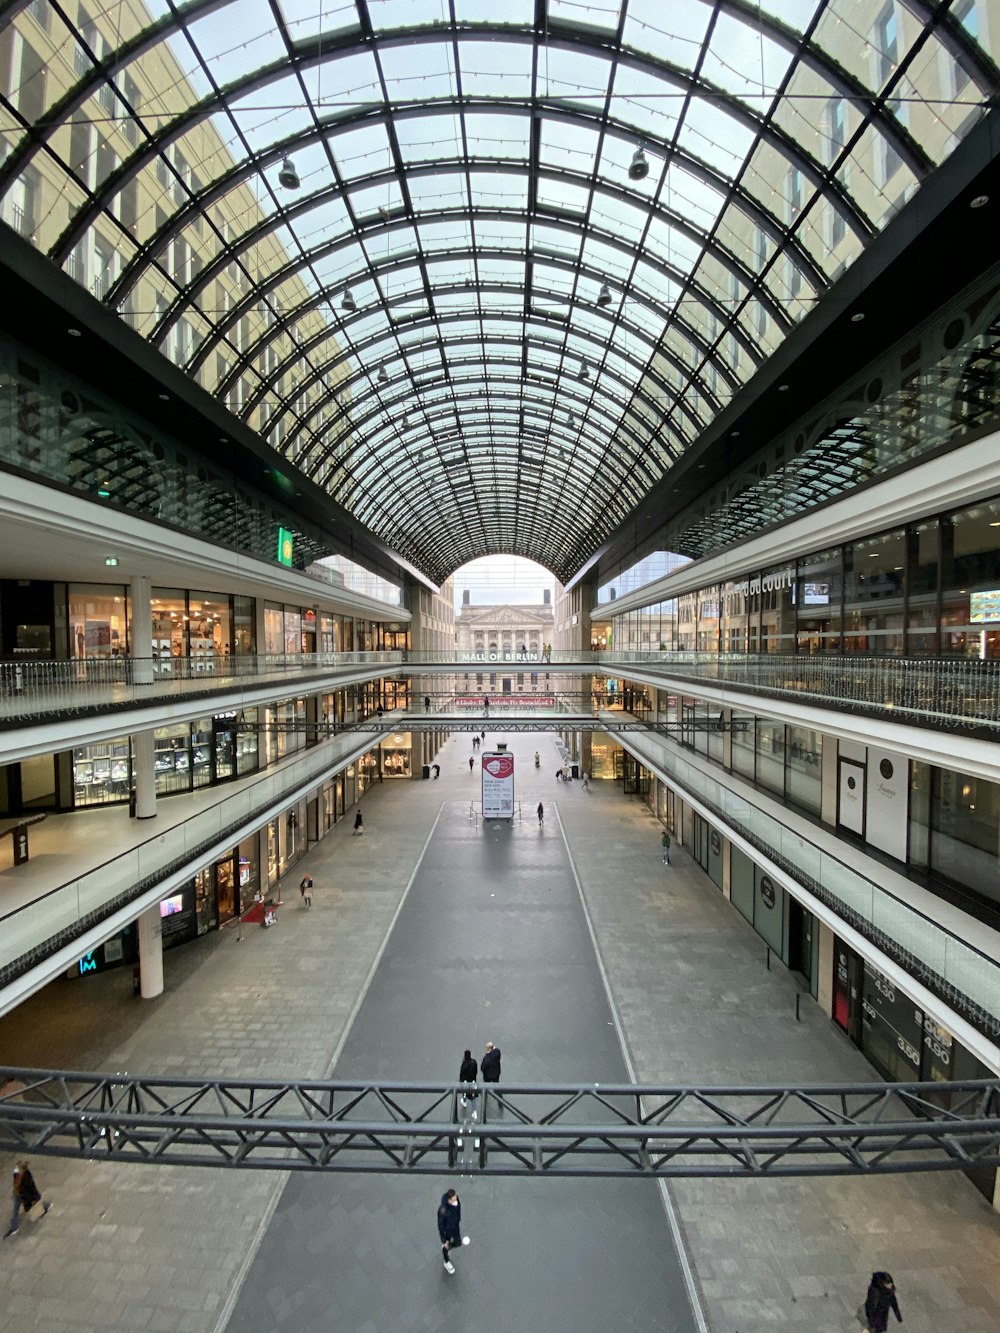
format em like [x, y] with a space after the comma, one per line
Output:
[970, 583]
[396, 756]
[97, 621]
[210, 629]
[101, 773]
[170, 627]
[274, 630]
[293, 630]
[247, 744]
[172, 758]
[202, 739]
[244, 639]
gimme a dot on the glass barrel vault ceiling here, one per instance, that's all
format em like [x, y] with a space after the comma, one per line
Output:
[400, 238]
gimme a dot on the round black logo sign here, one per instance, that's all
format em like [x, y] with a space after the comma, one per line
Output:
[716, 842]
[767, 892]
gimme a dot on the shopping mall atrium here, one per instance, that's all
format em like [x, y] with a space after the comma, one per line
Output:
[308, 304]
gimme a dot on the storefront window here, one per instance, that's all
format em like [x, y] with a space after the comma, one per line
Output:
[771, 755]
[274, 629]
[248, 872]
[965, 824]
[804, 768]
[818, 597]
[170, 626]
[708, 620]
[293, 630]
[101, 773]
[970, 597]
[172, 758]
[204, 899]
[396, 755]
[244, 643]
[873, 595]
[924, 564]
[97, 621]
[201, 752]
[211, 627]
[775, 599]
[247, 743]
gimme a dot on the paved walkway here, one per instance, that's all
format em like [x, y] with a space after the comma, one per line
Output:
[137, 1248]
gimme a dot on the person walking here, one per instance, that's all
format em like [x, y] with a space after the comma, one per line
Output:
[359, 825]
[306, 889]
[541, 814]
[489, 1065]
[486, 705]
[586, 782]
[25, 1194]
[665, 840]
[467, 1073]
[880, 1300]
[427, 703]
[450, 1226]
[472, 762]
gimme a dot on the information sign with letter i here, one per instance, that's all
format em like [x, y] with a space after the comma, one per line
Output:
[498, 786]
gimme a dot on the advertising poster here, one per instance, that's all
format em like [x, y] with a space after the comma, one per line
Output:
[498, 786]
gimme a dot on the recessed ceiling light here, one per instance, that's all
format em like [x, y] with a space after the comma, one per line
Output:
[980, 201]
[74, 333]
[734, 433]
[164, 397]
[782, 388]
[858, 317]
[223, 439]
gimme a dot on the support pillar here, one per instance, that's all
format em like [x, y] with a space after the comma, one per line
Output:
[150, 953]
[140, 630]
[145, 775]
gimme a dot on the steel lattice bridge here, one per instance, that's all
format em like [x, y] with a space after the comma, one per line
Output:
[520, 1130]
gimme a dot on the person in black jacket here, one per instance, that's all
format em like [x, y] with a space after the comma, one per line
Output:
[25, 1195]
[467, 1074]
[450, 1226]
[490, 1064]
[880, 1300]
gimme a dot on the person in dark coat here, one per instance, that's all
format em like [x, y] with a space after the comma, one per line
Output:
[541, 814]
[450, 1226]
[880, 1300]
[359, 825]
[489, 1065]
[467, 1074]
[25, 1195]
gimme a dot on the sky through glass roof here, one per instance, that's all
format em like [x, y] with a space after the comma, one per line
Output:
[411, 244]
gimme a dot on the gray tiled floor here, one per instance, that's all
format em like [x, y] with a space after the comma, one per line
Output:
[136, 1248]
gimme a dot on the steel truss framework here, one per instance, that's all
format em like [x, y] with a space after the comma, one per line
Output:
[521, 1129]
[503, 722]
[465, 295]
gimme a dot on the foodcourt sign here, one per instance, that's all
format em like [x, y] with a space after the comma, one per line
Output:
[498, 786]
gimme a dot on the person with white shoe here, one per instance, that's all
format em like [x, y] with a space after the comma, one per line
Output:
[468, 1072]
[25, 1195]
[450, 1227]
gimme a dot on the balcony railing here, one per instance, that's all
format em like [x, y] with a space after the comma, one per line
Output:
[37, 930]
[944, 692]
[31, 689]
[961, 975]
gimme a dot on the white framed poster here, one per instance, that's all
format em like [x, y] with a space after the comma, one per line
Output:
[498, 786]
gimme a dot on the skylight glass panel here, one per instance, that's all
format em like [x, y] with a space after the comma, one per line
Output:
[234, 39]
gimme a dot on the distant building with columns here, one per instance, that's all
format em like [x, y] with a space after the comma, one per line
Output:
[507, 633]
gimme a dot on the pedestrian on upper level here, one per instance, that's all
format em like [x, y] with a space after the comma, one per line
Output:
[427, 703]
[880, 1300]
[489, 1065]
[486, 705]
[449, 1218]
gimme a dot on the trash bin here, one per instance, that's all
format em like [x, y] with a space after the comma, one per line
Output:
[574, 770]
[427, 770]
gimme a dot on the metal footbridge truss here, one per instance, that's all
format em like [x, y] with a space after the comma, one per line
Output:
[518, 1130]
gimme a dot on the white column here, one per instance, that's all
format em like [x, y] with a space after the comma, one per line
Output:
[145, 775]
[141, 630]
[150, 953]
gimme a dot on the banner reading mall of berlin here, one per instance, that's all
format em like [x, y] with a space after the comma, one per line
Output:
[498, 786]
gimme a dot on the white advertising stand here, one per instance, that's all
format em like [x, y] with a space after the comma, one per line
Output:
[498, 786]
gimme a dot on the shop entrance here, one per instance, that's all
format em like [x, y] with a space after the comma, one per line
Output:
[635, 777]
[226, 894]
[799, 939]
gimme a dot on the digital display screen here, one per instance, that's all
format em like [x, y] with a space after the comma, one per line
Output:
[171, 906]
[816, 594]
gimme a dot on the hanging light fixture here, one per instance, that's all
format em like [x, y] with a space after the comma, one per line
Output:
[584, 371]
[288, 176]
[639, 169]
[348, 303]
[604, 296]
[383, 375]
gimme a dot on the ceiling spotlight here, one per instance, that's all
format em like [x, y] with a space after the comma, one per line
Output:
[288, 176]
[980, 201]
[584, 371]
[639, 168]
[348, 303]
[383, 375]
[383, 212]
[604, 295]
[857, 317]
